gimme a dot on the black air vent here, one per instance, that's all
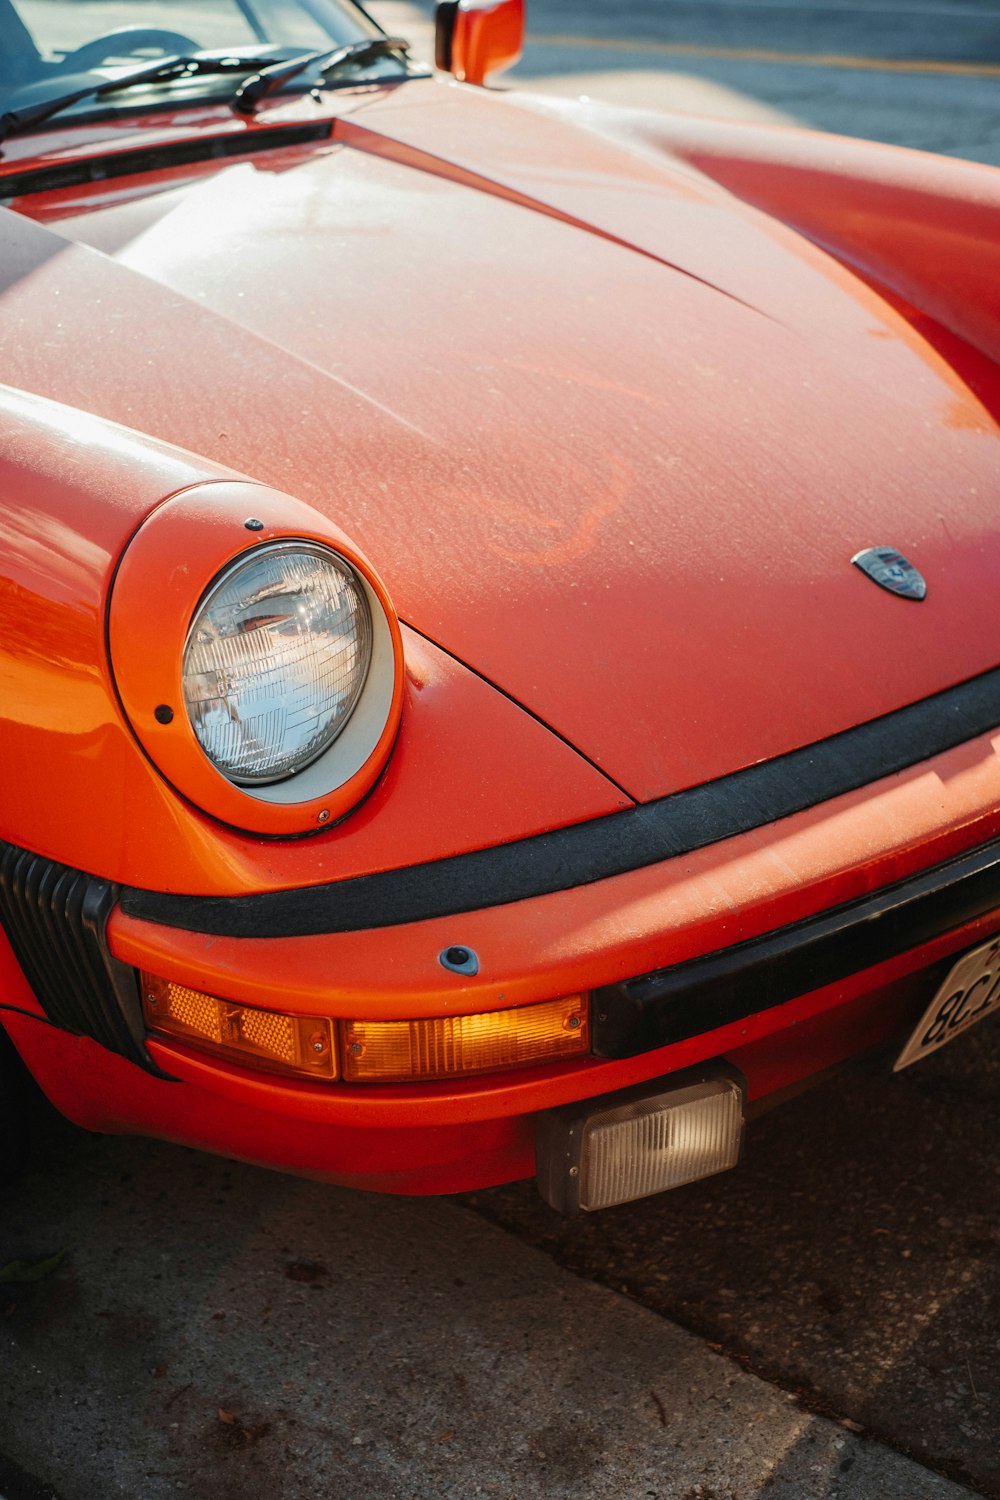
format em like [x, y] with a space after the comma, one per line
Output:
[55, 918]
[74, 171]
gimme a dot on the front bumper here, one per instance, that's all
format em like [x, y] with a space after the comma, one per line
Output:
[784, 950]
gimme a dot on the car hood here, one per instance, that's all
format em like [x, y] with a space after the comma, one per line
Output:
[611, 437]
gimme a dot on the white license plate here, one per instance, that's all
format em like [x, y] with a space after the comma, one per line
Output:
[971, 992]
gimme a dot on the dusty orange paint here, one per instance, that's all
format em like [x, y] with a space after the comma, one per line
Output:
[605, 442]
[192, 537]
[476, 420]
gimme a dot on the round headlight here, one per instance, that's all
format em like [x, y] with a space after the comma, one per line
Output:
[275, 660]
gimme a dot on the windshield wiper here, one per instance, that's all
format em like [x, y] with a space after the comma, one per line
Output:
[17, 120]
[332, 61]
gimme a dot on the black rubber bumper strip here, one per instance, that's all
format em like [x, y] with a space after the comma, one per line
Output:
[728, 985]
[603, 847]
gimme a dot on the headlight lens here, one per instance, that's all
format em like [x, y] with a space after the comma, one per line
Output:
[275, 661]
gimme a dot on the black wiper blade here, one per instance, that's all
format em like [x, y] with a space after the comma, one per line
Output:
[362, 52]
[17, 120]
[333, 60]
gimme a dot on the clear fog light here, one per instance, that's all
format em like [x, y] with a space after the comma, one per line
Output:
[605, 1151]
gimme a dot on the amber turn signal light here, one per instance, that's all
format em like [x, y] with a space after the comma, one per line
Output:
[451, 1046]
[302, 1045]
[370, 1051]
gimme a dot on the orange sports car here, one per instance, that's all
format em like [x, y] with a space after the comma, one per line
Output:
[498, 626]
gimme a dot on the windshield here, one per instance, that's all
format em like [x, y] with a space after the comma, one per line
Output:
[51, 48]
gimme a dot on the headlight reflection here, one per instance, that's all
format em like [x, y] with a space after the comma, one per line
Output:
[275, 660]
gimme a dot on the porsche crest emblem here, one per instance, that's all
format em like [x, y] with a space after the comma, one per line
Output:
[890, 570]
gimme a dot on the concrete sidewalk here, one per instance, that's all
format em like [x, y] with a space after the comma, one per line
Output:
[217, 1331]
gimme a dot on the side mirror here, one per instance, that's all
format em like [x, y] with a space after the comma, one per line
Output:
[475, 37]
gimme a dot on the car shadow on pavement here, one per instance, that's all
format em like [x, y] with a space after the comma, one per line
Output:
[216, 1328]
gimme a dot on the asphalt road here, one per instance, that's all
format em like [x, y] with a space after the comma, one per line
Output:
[956, 30]
[215, 1331]
[853, 1258]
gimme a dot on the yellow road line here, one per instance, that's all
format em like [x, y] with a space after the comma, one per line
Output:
[763, 54]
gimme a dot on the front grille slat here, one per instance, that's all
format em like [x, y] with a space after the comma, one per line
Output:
[55, 920]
